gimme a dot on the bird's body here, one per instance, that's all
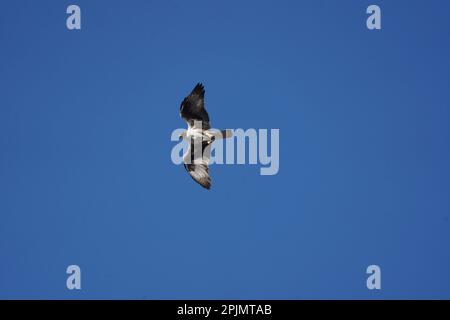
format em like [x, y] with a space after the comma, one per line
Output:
[199, 136]
[195, 132]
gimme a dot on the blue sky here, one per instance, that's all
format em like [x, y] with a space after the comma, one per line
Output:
[86, 176]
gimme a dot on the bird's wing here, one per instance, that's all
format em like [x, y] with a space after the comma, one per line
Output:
[196, 163]
[193, 107]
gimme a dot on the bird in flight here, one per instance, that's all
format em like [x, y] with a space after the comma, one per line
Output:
[199, 136]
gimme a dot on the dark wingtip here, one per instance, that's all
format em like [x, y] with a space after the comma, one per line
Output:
[206, 185]
[199, 89]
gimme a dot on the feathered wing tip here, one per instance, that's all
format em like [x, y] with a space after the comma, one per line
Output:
[206, 184]
[200, 174]
[199, 90]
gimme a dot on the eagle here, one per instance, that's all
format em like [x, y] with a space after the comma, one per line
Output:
[199, 135]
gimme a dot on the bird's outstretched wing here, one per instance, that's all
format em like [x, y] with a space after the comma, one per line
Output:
[196, 163]
[193, 108]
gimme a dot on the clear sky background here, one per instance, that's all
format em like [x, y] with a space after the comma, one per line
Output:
[86, 176]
